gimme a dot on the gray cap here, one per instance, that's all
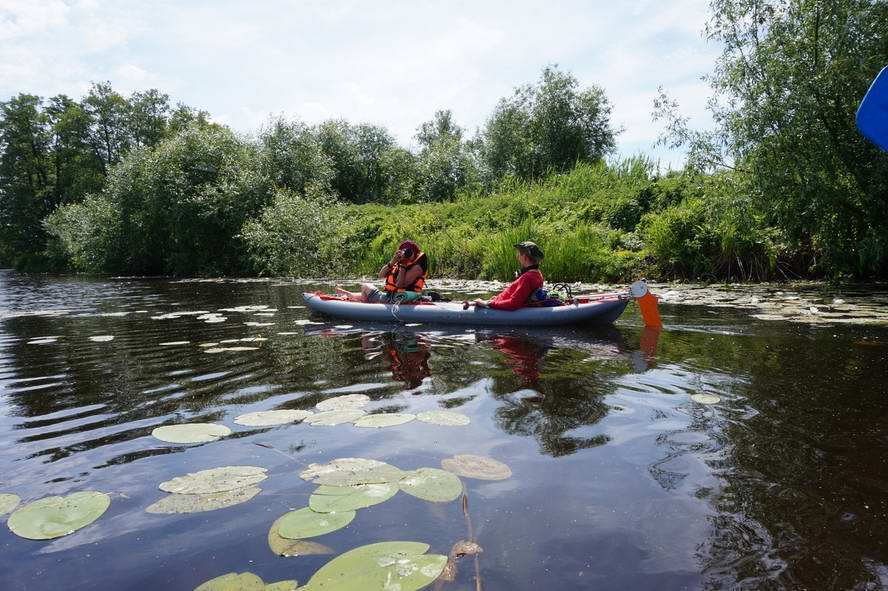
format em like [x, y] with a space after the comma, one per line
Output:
[531, 249]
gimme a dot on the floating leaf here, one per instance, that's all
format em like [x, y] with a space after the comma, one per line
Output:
[281, 586]
[200, 503]
[384, 566]
[306, 523]
[215, 480]
[54, 517]
[705, 398]
[431, 484]
[448, 418]
[233, 582]
[477, 467]
[266, 418]
[191, 432]
[230, 349]
[331, 418]
[352, 471]
[8, 502]
[286, 547]
[333, 499]
[349, 401]
[102, 338]
[380, 420]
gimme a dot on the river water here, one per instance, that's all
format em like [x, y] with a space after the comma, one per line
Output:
[620, 480]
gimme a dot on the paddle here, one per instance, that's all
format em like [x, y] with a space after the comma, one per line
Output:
[872, 115]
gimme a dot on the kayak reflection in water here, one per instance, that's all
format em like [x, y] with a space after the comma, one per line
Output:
[404, 275]
[406, 355]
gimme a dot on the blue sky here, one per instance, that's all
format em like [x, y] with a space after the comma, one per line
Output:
[383, 62]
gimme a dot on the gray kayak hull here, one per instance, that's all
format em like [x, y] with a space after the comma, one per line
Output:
[604, 311]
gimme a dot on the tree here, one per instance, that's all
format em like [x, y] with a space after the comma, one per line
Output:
[25, 191]
[547, 127]
[109, 133]
[787, 85]
[368, 165]
[148, 117]
[445, 164]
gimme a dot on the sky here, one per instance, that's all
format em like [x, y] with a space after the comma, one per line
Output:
[382, 62]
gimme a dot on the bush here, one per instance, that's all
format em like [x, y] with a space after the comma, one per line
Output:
[295, 235]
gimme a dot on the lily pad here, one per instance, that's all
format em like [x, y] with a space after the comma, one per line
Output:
[215, 480]
[191, 432]
[104, 338]
[305, 523]
[331, 418]
[404, 566]
[8, 502]
[244, 582]
[352, 471]
[199, 503]
[477, 467]
[447, 418]
[54, 517]
[333, 499]
[705, 398]
[349, 401]
[286, 547]
[380, 420]
[267, 418]
[432, 484]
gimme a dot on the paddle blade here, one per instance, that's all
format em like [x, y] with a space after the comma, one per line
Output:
[872, 115]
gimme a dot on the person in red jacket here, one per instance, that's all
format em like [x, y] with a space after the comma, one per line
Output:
[529, 279]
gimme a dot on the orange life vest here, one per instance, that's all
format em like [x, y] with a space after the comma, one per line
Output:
[418, 285]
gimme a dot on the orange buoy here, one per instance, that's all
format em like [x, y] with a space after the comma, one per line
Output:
[647, 303]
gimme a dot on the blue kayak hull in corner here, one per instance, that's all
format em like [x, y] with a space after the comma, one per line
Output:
[601, 311]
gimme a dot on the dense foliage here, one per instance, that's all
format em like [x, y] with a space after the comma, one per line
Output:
[782, 186]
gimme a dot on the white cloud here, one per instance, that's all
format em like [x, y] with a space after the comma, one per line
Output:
[389, 63]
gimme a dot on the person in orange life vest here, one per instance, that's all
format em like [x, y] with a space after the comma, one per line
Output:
[404, 277]
[529, 279]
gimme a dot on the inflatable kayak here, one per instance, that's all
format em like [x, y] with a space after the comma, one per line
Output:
[603, 309]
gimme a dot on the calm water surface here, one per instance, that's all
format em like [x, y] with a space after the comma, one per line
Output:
[620, 481]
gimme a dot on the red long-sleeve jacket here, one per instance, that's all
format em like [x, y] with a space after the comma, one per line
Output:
[518, 293]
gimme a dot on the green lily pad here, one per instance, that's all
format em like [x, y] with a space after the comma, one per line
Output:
[305, 523]
[705, 398]
[244, 582]
[404, 566]
[8, 502]
[349, 401]
[177, 503]
[331, 418]
[267, 418]
[352, 471]
[333, 499]
[447, 418]
[54, 517]
[477, 467]
[286, 547]
[380, 420]
[191, 432]
[432, 484]
[215, 480]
